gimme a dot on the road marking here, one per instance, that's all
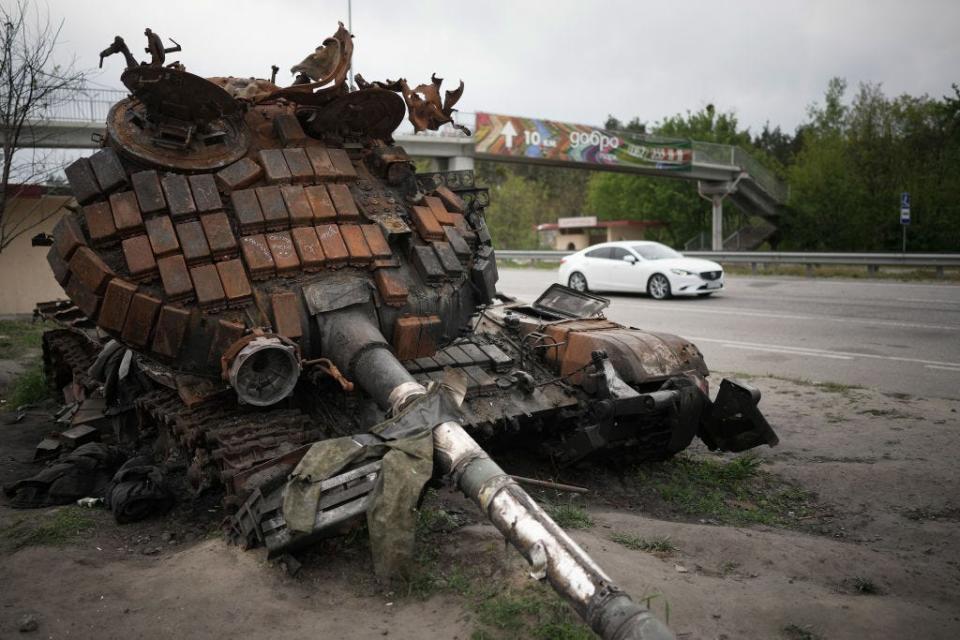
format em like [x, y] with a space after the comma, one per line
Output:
[855, 283]
[955, 368]
[931, 300]
[757, 313]
[823, 352]
[795, 352]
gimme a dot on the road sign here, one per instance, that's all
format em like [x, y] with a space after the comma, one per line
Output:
[905, 208]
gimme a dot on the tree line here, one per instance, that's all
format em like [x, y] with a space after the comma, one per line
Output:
[846, 165]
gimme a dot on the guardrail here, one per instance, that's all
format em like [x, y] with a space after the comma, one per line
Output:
[872, 261]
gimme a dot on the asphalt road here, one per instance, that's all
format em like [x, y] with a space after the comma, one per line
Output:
[892, 336]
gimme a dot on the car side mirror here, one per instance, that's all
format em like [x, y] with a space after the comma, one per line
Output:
[630, 259]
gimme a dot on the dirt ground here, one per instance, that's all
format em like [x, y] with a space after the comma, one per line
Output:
[870, 550]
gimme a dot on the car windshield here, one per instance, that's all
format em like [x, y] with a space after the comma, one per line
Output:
[655, 251]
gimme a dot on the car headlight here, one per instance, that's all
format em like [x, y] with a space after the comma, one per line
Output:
[682, 272]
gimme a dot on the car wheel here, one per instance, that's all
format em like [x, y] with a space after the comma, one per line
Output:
[578, 282]
[658, 286]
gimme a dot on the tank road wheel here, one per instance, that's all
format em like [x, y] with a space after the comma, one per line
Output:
[658, 287]
[578, 282]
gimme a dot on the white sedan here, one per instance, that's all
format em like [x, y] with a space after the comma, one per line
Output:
[640, 266]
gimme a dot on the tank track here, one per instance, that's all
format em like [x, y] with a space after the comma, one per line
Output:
[67, 355]
[221, 438]
[224, 439]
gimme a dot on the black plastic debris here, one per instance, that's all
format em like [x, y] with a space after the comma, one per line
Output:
[86, 471]
[138, 490]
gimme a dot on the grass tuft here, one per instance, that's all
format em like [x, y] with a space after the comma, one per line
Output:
[796, 632]
[569, 516]
[659, 544]
[860, 585]
[30, 387]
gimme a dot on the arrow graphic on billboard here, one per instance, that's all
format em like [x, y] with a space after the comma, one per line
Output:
[508, 132]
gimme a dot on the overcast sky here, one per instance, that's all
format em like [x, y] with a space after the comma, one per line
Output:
[767, 60]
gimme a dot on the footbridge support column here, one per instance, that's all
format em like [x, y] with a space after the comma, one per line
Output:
[460, 163]
[715, 192]
[716, 227]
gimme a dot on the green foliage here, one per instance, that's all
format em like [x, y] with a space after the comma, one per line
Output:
[569, 515]
[516, 205]
[659, 544]
[524, 196]
[532, 612]
[736, 492]
[62, 526]
[855, 160]
[17, 337]
[30, 387]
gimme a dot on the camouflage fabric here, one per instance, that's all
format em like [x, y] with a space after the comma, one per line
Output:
[404, 444]
[324, 459]
[392, 517]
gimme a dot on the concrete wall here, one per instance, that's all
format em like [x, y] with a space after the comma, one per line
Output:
[25, 276]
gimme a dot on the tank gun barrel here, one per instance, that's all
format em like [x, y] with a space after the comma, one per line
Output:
[553, 555]
[357, 346]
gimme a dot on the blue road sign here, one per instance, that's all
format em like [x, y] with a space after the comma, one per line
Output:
[905, 207]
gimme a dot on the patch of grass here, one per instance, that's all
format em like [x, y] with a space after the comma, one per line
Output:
[659, 544]
[30, 387]
[735, 492]
[64, 525]
[430, 520]
[834, 387]
[860, 585]
[429, 576]
[884, 413]
[17, 337]
[796, 632]
[502, 612]
[531, 612]
[829, 387]
[569, 515]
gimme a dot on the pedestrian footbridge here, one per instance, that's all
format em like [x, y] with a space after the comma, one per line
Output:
[722, 172]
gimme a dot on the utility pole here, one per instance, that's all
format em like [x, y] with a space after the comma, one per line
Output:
[350, 29]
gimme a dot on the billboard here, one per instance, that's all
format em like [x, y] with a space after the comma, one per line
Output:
[499, 135]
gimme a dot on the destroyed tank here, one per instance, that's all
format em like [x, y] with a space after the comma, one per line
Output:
[253, 268]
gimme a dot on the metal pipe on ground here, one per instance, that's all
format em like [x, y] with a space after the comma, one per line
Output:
[611, 613]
